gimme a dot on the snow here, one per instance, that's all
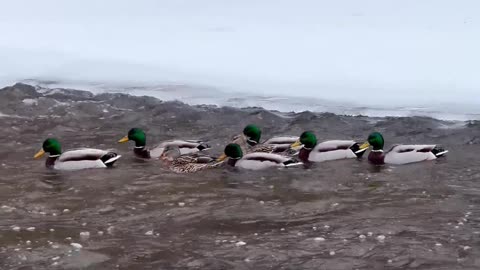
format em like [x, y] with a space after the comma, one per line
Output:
[240, 243]
[381, 238]
[76, 245]
[344, 51]
[30, 101]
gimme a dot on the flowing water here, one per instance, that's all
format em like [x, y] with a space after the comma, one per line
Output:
[334, 215]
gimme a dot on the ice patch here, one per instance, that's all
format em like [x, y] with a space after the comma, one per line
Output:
[240, 243]
[59, 103]
[30, 102]
[381, 238]
[12, 116]
[76, 245]
[8, 209]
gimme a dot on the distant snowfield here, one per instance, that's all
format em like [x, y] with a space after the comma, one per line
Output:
[400, 58]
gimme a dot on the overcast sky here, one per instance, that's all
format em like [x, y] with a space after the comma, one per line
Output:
[412, 50]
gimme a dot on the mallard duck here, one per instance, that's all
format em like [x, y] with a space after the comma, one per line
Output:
[249, 141]
[84, 158]
[138, 136]
[254, 161]
[179, 163]
[400, 154]
[327, 150]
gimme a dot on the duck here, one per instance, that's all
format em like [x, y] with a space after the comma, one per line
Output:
[312, 151]
[402, 153]
[77, 159]
[138, 136]
[188, 163]
[254, 161]
[249, 141]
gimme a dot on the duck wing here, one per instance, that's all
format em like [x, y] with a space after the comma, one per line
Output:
[82, 154]
[191, 163]
[193, 167]
[86, 158]
[332, 150]
[403, 154]
[282, 140]
[200, 159]
[261, 157]
[262, 148]
[258, 161]
[282, 144]
[333, 145]
[241, 140]
[185, 146]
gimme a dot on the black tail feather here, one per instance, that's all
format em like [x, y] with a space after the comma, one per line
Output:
[356, 150]
[292, 162]
[203, 146]
[110, 158]
[439, 151]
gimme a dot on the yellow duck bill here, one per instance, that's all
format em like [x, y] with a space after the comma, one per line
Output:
[222, 157]
[123, 140]
[39, 154]
[364, 146]
[296, 144]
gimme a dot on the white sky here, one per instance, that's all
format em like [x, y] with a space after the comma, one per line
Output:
[415, 51]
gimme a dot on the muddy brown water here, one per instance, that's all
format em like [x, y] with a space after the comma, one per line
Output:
[334, 215]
